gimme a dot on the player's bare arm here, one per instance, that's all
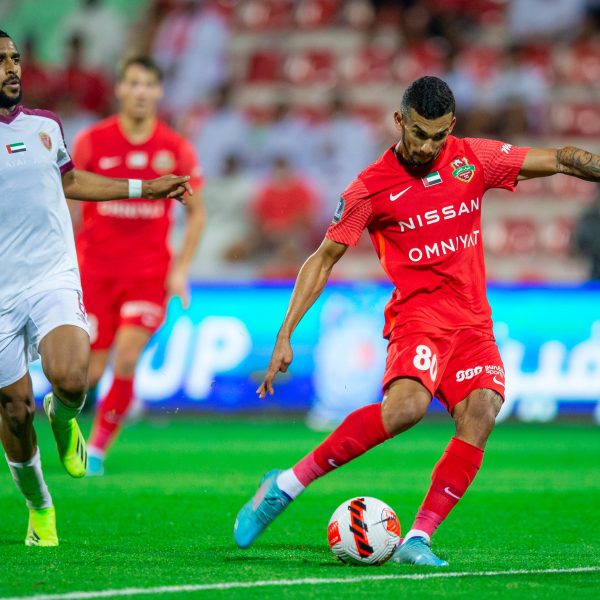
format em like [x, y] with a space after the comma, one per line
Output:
[541, 162]
[83, 185]
[310, 282]
[177, 280]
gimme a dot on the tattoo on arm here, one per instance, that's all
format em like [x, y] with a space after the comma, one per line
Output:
[577, 162]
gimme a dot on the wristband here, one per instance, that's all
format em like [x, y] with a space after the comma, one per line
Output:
[135, 188]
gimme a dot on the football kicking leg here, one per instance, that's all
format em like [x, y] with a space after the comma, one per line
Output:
[65, 355]
[453, 474]
[129, 344]
[17, 409]
[404, 405]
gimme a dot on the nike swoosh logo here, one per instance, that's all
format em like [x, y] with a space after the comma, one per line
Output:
[447, 490]
[332, 463]
[498, 382]
[394, 197]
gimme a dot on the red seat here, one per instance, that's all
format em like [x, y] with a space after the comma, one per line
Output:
[316, 13]
[575, 119]
[261, 15]
[371, 64]
[313, 66]
[264, 65]
[555, 235]
[521, 236]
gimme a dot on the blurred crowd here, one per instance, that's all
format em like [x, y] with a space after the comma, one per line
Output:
[286, 101]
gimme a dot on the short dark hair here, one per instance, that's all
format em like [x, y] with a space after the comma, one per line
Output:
[143, 61]
[3, 34]
[430, 97]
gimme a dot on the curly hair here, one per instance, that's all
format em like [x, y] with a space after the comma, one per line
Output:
[430, 97]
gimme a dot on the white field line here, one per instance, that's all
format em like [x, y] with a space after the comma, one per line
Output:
[236, 585]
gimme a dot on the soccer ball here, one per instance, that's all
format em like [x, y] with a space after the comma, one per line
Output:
[363, 531]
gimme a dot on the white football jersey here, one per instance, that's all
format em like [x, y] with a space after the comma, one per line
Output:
[37, 248]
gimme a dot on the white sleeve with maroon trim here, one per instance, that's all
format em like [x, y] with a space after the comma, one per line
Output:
[353, 214]
[501, 162]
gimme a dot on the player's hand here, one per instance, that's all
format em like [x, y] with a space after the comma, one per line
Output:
[280, 361]
[168, 186]
[177, 285]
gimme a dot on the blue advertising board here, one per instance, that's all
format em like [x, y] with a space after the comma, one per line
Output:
[212, 356]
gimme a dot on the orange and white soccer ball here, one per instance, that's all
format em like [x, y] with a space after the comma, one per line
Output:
[363, 531]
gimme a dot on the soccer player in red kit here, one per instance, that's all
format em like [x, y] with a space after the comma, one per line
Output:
[421, 204]
[126, 267]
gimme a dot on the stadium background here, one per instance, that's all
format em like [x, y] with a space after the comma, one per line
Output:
[288, 99]
[314, 83]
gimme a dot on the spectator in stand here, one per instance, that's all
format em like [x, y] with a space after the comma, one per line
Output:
[282, 218]
[548, 19]
[586, 238]
[461, 82]
[36, 78]
[226, 199]
[89, 89]
[514, 100]
[346, 144]
[288, 136]
[103, 30]
[222, 133]
[191, 45]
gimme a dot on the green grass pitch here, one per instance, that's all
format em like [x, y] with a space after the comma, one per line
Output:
[163, 514]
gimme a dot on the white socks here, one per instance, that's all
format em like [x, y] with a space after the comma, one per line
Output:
[30, 480]
[61, 411]
[416, 533]
[289, 483]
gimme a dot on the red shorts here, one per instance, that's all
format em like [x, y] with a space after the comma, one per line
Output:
[449, 364]
[114, 302]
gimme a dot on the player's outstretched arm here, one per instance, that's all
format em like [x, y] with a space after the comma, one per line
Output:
[310, 283]
[83, 185]
[541, 162]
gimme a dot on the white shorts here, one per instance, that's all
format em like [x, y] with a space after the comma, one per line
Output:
[24, 326]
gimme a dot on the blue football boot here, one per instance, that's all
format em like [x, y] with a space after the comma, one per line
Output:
[417, 551]
[268, 503]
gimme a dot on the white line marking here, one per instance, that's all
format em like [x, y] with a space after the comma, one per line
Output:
[232, 585]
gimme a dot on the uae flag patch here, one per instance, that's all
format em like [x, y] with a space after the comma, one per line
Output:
[432, 179]
[16, 147]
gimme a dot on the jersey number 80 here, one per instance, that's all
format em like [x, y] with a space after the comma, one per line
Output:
[426, 360]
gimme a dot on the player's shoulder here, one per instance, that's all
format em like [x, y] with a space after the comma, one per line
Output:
[165, 133]
[106, 126]
[40, 113]
[384, 172]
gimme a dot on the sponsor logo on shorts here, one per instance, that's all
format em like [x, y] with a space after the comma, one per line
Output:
[466, 374]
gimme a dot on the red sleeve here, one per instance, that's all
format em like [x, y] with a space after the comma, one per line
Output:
[189, 165]
[501, 162]
[82, 151]
[353, 214]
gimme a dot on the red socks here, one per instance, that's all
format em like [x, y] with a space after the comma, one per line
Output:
[110, 413]
[450, 479]
[360, 431]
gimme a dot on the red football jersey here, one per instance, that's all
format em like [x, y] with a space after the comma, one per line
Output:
[130, 237]
[426, 228]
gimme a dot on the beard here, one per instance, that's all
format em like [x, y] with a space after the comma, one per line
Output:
[8, 101]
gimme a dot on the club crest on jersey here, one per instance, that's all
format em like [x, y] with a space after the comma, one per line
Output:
[339, 211]
[463, 170]
[46, 140]
[432, 179]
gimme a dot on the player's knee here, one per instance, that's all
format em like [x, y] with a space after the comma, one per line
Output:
[476, 418]
[400, 413]
[18, 410]
[69, 382]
